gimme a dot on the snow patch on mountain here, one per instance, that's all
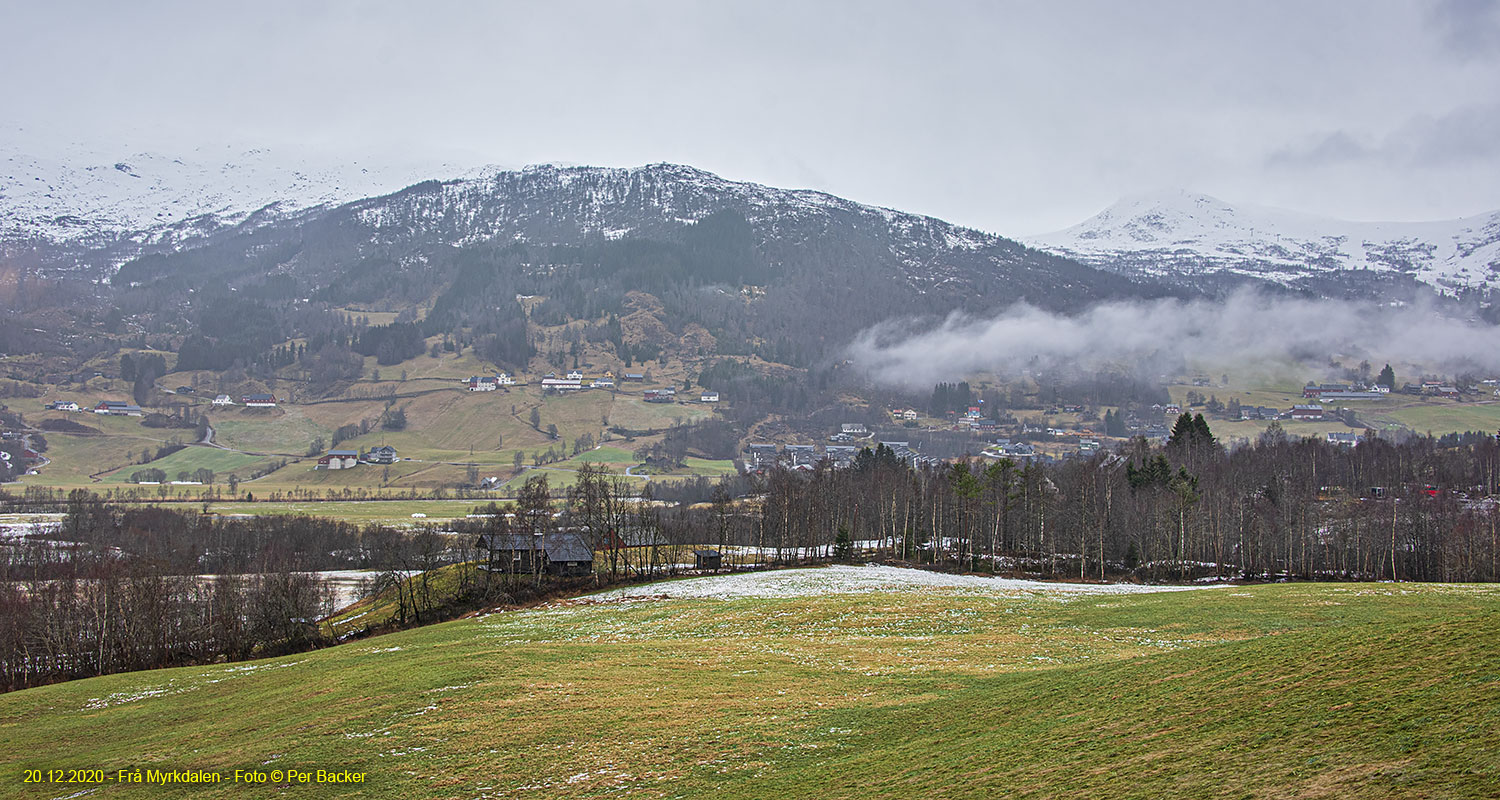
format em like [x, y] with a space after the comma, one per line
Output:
[63, 193]
[553, 203]
[1179, 233]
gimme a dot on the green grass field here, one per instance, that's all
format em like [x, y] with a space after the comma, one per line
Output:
[1421, 414]
[612, 456]
[222, 462]
[1440, 418]
[279, 430]
[1370, 691]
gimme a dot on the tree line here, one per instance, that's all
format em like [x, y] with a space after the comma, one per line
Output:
[1281, 507]
[114, 589]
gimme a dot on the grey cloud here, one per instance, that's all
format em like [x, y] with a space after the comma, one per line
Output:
[1248, 330]
[1333, 148]
[1464, 135]
[1467, 28]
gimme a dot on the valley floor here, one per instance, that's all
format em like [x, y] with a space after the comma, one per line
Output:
[834, 682]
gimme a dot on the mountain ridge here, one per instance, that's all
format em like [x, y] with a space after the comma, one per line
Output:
[1178, 234]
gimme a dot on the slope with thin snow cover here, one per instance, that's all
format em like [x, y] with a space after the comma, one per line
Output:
[90, 196]
[1183, 234]
[841, 579]
[550, 203]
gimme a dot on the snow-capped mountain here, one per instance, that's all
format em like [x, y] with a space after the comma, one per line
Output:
[816, 255]
[1178, 234]
[547, 203]
[88, 196]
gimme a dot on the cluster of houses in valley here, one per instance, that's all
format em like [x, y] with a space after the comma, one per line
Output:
[1015, 451]
[348, 459]
[576, 381]
[1427, 388]
[1339, 391]
[761, 457]
[806, 457]
[1435, 389]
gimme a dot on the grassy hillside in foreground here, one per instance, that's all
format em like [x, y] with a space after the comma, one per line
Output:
[1269, 691]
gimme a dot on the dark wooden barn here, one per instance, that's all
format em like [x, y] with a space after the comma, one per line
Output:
[565, 554]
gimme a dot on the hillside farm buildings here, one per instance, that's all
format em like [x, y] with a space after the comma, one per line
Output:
[339, 459]
[118, 408]
[489, 383]
[382, 454]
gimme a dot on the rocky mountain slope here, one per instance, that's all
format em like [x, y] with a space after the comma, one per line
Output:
[1180, 236]
[917, 264]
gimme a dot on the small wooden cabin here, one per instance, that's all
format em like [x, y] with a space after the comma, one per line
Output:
[708, 559]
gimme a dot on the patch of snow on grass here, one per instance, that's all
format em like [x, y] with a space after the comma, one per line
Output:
[842, 579]
[120, 698]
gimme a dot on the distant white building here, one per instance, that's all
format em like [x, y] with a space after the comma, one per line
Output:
[709, 397]
[575, 375]
[223, 400]
[63, 405]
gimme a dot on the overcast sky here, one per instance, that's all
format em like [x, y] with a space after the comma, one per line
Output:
[1016, 118]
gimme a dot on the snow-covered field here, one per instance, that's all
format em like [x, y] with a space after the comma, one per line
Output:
[853, 580]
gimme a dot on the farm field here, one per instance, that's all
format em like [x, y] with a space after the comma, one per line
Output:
[188, 459]
[282, 431]
[447, 429]
[838, 682]
[1443, 418]
[1421, 414]
[390, 512]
